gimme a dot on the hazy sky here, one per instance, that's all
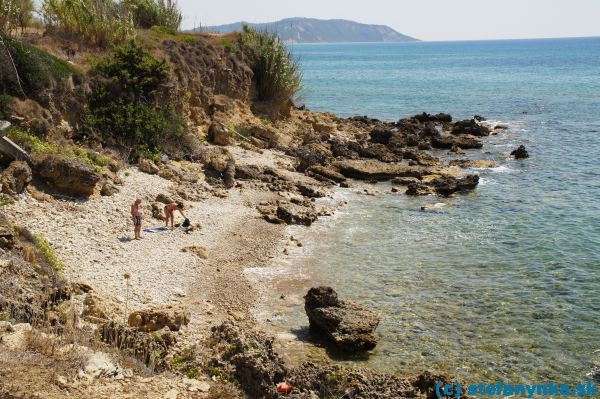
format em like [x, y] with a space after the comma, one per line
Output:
[423, 19]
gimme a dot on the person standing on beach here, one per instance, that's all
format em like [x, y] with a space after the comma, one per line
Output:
[136, 215]
[170, 212]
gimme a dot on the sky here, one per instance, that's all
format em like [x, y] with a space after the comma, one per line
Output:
[423, 19]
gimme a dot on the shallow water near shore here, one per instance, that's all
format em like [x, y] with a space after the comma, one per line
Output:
[502, 282]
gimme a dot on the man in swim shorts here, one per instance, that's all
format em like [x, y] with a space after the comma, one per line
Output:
[170, 211]
[136, 216]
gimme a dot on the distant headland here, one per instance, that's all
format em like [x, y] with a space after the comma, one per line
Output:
[309, 30]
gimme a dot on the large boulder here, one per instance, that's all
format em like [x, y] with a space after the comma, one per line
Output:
[157, 318]
[444, 186]
[219, 164]
[71, 176]
[371, 169]
[471, 127]
[439, 118]
[350, 325]
[15, 178]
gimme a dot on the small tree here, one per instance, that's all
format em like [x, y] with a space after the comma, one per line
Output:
[15, 14]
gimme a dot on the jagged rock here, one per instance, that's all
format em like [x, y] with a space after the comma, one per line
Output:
[310, 191]
[468, 163]
[471, 127]
[248, 172]
[376, 170]
[70, 176]
[381, 136]
[218, 134]
[296, 214]
[520, 153]
[342, 149]
[147, 166]
[377, 151]
[421, 158]
[443, 186]
[350, 325]
[440, 118]
[327, 172]
[15, 179]
[405, 181]
[449, 142]
[219, 164]
[157, 318]
[310, 155]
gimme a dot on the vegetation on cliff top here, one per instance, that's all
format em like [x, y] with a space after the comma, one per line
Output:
[276, 71]
[108, 22]
[131, 115]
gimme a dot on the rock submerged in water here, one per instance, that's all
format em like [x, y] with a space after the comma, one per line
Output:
[350, 325]
[520, 153]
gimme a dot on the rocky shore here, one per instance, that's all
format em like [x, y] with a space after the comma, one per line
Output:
[86, 311]
[182, 283]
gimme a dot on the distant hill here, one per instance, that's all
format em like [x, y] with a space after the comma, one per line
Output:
[308, 30]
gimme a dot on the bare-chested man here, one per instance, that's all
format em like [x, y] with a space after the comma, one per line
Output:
[136, 215]
[170, 211]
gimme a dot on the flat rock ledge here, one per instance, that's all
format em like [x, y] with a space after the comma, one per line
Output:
[350, 325]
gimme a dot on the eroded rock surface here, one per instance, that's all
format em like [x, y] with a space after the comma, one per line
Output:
[350, 325]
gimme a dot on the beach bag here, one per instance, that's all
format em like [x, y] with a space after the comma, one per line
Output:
[186, 223]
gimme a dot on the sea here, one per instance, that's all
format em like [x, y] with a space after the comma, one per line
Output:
[502, 283]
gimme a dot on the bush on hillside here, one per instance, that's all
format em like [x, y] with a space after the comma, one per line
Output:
[149, 13]
[133, 118]
[136, 70]
[276, 71]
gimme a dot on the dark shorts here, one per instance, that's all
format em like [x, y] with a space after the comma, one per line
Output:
[137, 221]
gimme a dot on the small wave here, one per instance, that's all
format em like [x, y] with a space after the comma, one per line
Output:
[501, 169]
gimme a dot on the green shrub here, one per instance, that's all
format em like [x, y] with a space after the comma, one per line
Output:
[98, 22]
[136, 70]
[48, 253]
[149, 13]
[140, 127]
[35, 145]
[229, 45]
[36, 68]
[276, 72]
[133, 119]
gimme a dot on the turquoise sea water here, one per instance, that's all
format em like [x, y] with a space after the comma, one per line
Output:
[504, 282]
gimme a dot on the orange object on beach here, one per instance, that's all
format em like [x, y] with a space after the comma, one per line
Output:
[284, 388]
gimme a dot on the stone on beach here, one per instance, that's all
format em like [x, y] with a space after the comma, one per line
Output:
[350, 325]
[69, 176]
